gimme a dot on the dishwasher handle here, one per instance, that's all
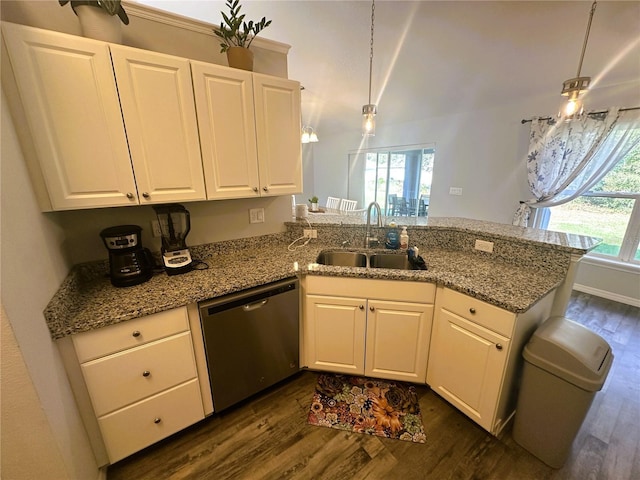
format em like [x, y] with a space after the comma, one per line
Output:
[254, 306]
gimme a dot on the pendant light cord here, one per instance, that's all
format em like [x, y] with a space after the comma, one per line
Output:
[586, 36]
[373, 10]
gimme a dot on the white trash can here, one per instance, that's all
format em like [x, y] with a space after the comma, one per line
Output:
[565, 365]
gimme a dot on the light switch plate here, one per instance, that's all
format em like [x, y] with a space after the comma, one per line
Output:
[256, 215]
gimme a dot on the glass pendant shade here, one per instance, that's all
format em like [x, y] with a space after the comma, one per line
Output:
[308, 135]
[369, 120]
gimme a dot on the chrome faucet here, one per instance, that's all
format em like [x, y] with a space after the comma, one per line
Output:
[370, 241]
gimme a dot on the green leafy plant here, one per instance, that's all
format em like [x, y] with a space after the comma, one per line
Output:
[112, 7]
[234, 31]
[313, 200]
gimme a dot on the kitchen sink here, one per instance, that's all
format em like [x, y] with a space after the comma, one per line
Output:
[342, 259]
[359, 259]
[389, 260]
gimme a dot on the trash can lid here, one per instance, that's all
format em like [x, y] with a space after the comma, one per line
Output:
[570, 351]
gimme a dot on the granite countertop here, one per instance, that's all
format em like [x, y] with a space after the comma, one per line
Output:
[87, 300]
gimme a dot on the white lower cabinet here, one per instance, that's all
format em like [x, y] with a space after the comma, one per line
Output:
[377, 328]
[475, 355]
[142, 380]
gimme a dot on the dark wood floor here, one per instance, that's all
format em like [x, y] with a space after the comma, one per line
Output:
[267, 437]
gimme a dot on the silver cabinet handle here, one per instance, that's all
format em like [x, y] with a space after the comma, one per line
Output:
[136, 333]
[266, 189]
[498, 346]
[146, 373]
[130, 195]
[361, 307]
[255, 189]
[372, 308]
[157, 420]
[146, 194]
[472, 311]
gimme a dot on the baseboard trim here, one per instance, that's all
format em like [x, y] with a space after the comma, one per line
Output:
[634, 302]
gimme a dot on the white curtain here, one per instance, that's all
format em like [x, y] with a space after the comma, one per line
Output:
[566, 159]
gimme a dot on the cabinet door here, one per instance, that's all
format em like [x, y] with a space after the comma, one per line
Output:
[398, 336]
[157, 102]
[277, 104]
[466, 366]
[335, 333]
[69, 96]
[226, 122]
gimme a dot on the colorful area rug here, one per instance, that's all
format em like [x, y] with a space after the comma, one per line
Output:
[385, 408]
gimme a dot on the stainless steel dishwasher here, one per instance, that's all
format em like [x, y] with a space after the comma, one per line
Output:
[251, 340]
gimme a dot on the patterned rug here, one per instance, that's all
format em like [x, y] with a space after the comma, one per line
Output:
[385, 408]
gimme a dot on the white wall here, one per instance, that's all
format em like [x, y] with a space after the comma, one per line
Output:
[33, 267]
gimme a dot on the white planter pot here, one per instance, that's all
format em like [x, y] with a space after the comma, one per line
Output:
[97, 24]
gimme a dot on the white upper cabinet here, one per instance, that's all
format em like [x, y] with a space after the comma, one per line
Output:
[277, 102]
[226, 120]
[114, 125]
[157, 103]
[249, 132]
[70, 101]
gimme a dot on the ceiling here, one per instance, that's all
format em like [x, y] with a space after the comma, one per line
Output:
[434, 58]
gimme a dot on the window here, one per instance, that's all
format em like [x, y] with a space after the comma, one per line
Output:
[399, 179]
[610, 210]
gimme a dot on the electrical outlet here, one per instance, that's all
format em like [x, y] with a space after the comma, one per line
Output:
[484, 246]
[155, 228]
[256, 215]
[310, 233]
[455, 191]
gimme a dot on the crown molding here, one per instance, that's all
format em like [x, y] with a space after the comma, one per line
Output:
[138, 10]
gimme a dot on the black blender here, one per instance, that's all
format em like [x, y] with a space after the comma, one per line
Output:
[174, 226]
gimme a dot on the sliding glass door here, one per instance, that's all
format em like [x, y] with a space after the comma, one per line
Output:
[398, 179]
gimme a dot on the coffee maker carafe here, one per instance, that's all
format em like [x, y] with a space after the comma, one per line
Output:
[129, 263]
[174, 225]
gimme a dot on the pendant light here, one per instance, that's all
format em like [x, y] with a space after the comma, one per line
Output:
[573, 87]
[369, 111]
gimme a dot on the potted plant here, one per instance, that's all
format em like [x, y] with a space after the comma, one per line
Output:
[99, 19]
[236, 35]
[314, 203]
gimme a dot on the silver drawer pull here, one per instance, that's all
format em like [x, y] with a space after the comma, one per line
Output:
[146, 373]
[372, 308]
[472, 310]
[498, 346]
[361, 307]
[157, 420]
[136, 333]
[130, 196]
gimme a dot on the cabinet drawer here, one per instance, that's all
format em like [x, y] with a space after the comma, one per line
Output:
[482, 313]
[126, 377]
[128, 430]
[114, 338]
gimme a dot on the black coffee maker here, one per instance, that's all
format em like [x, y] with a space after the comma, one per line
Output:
[129, 263]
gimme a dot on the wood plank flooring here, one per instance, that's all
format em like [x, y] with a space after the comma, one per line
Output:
[267, 437]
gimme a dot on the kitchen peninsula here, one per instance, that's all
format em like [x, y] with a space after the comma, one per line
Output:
[497, 298]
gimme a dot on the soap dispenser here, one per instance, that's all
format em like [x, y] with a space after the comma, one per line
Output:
[393, 240]
[404, 239]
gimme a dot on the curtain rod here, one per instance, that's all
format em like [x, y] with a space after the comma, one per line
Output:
[523, 121]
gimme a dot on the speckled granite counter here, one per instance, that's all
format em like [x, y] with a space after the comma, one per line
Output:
[514, 277]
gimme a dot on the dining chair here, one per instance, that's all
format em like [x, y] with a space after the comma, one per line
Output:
[333, 203]
[348, 205]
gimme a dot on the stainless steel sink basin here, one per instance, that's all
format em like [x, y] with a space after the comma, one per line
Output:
[389, 260]
[342, 259]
